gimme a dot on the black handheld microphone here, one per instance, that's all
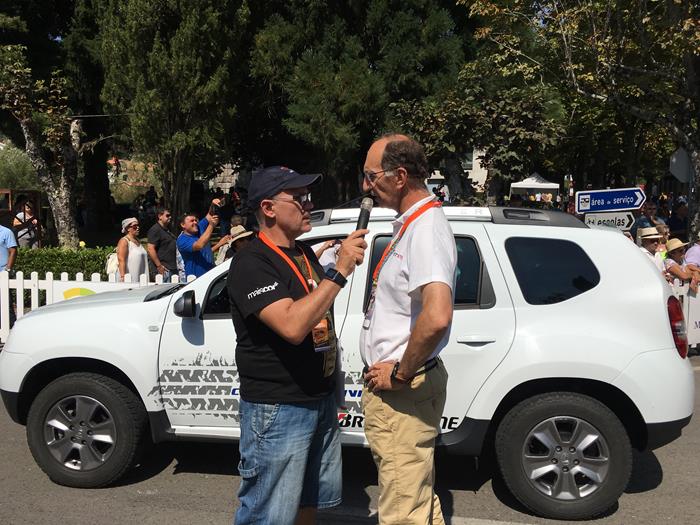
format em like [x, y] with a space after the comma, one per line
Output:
[365, 209]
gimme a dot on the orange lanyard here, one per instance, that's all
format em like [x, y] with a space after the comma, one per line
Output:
[390, 248]
[286, 259]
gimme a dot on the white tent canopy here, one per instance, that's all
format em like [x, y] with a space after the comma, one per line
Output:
[535, 183]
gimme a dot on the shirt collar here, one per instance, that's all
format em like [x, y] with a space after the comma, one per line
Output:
[401, 219]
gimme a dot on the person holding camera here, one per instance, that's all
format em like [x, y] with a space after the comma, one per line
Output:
[193, 242]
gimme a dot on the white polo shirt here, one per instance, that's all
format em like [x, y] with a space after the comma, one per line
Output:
[426, 253]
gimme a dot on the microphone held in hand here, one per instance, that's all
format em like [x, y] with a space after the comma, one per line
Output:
[365, 209]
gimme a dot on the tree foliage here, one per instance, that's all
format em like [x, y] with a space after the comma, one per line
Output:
[329, 70]
[640, 58]
[16, 170]
[170, 68]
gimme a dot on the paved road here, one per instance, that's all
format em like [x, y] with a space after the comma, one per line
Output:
[196, 483]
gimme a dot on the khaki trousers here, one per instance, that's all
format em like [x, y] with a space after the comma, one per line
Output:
[401, 427]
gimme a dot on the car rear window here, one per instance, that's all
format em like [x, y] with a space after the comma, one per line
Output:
[550, 271]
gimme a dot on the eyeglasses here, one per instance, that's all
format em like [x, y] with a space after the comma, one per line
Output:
[134, 226]
[373, 176]
[299, 199]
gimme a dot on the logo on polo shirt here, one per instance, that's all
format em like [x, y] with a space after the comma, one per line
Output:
[264, 289]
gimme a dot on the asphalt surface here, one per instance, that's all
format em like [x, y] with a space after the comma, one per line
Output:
[196, 483]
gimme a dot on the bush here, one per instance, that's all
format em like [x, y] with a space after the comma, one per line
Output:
[57, 260]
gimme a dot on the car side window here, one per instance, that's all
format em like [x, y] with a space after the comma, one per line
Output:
[217, 302]
[473, 286]
[550, 271]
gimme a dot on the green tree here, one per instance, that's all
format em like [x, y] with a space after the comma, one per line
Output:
[16, 170]
[170, 65]
[50, 135]
[327, 71]
[639, 57]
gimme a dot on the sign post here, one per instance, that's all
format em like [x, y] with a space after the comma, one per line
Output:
[610, 207]
[618, 199]
[622, 220]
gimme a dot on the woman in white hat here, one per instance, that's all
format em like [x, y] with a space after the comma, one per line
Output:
[130, 254]
[676, 265]
[238, 238]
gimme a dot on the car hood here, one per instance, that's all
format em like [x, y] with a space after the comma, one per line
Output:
[119, 297]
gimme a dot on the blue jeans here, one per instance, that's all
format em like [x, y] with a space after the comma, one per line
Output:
[290, 458]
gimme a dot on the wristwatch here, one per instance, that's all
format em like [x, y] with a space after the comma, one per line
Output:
[394, 377]
[336, 277]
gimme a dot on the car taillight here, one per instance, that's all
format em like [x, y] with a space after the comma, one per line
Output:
[675, 317]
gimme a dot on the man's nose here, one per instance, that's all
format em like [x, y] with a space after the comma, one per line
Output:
[308, 205]
[366, 187]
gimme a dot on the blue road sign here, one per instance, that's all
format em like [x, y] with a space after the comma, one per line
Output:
[617, 199]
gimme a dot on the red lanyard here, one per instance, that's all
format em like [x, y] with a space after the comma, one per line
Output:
[420, 211]
[286, 259]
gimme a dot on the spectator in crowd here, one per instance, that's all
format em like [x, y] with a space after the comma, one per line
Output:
[239, 238]
[692, 254]
[515, 201]
[650, 240]
[327, 252]
[663, 231]
[193, 242]
[161, 246]
[8, 255]
[676, 265]
[648, 218]
[130, 254]
[26, 225]
[678, 222]
[151, 197]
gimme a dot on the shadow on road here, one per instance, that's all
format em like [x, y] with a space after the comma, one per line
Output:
[454, 473]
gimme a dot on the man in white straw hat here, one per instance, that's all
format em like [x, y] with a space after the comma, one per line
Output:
[650, 241]
[239, 238]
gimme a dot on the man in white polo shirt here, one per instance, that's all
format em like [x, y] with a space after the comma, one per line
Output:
[406, 326]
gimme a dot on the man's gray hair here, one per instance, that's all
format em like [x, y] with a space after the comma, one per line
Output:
[405, 152]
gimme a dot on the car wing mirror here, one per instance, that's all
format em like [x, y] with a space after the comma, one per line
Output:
[185, 305]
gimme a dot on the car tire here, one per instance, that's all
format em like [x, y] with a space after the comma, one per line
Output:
[86, 430]
[564, 455]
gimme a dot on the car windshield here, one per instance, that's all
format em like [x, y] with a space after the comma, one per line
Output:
[162, 291]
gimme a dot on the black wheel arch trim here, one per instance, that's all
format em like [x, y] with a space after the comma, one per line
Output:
[660, 434]
[11, 402]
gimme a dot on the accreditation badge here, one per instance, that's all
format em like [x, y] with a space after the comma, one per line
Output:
[325, 343]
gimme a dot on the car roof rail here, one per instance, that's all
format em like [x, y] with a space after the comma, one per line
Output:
[532, 217]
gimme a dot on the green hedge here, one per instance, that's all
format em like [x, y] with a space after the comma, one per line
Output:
[57, 260]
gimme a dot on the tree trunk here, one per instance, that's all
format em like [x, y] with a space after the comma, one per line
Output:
[97, 202]
[177, 182]
[57, 182]
[455, 180]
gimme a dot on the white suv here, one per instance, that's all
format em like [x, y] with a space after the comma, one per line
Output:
[567, 349]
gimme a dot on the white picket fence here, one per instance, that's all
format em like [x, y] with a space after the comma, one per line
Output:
[59, 290]
[62, 289]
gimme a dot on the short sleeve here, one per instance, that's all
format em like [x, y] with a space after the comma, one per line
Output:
[261, 286]
[432, 255]
[10, 241]
[153, 237]
[185, 243]
[668, 263]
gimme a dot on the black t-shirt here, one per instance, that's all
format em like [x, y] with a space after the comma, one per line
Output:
[164, 241]
[271, 370]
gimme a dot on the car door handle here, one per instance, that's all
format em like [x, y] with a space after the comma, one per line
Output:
[476, 340]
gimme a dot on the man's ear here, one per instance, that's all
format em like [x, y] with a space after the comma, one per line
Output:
[401, 176]
[267, 210]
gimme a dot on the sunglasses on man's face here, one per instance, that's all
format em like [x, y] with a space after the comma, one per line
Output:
[299, 199]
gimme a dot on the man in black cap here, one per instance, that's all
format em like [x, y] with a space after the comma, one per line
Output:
[286, 354]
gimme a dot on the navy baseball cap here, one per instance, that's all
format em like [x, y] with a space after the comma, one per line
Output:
[268, 182]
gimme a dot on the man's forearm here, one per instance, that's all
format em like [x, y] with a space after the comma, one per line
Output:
[204, 239]
[295, 321]
[423, 341]
[12, 256]
[153, 254]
